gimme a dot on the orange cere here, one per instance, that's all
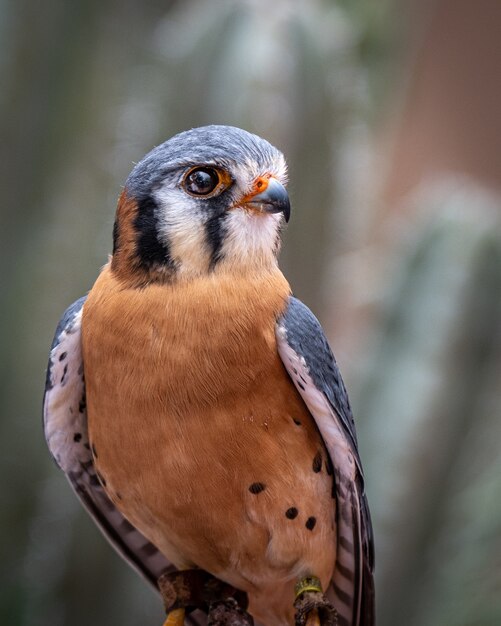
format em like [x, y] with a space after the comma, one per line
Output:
[260, 184]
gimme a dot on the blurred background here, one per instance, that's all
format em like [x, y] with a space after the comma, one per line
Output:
[388, 113]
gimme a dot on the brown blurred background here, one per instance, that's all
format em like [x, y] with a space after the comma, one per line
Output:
[389, 115]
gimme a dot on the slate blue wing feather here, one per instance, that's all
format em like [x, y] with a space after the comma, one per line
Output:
[312, 367]
[65, 428]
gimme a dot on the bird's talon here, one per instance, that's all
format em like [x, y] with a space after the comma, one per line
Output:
[175, 618]
[313, 618]
[196, 589]
[228, 613]
[313, 609]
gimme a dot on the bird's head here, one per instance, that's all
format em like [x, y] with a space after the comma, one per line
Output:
[210, 199]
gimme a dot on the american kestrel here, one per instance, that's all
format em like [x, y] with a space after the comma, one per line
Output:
[196, 407]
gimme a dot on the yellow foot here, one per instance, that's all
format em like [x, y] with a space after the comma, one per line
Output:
[175, 618]
[313, 618]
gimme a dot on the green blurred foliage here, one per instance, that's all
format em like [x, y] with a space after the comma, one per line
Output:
[429, 412]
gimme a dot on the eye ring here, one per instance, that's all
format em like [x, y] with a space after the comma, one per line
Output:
[204, 181]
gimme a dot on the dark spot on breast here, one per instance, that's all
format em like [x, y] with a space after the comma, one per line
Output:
[297, 422]
[317, 462]
[291, 513]
[65, 371]
[86, 445]
[82, 405]
[62, 356]
[77, 437]
[310, 523]
[300, 385]
[94, 451]
[256, 488]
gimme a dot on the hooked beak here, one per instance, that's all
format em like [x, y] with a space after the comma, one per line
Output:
[274, 199]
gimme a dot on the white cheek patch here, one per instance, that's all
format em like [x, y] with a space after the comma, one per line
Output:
[181, 226]
[250, 239]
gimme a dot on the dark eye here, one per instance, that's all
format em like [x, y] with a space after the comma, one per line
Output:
[201, 181]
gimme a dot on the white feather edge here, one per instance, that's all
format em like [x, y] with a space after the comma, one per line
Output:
[63, 418]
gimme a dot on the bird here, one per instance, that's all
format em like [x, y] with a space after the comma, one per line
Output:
[195, 405]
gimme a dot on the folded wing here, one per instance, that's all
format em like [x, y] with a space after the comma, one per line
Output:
[310, 363]
[65, 427]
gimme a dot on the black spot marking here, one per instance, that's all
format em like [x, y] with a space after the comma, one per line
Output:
[300, 385]
[256, 488]
[310, 523]
[291, 513]
[86, 445]
[82, 405]
[65, 371]
[317, 462]
[77, 437]
[94, 451]
[62, 356]
[297, 422]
